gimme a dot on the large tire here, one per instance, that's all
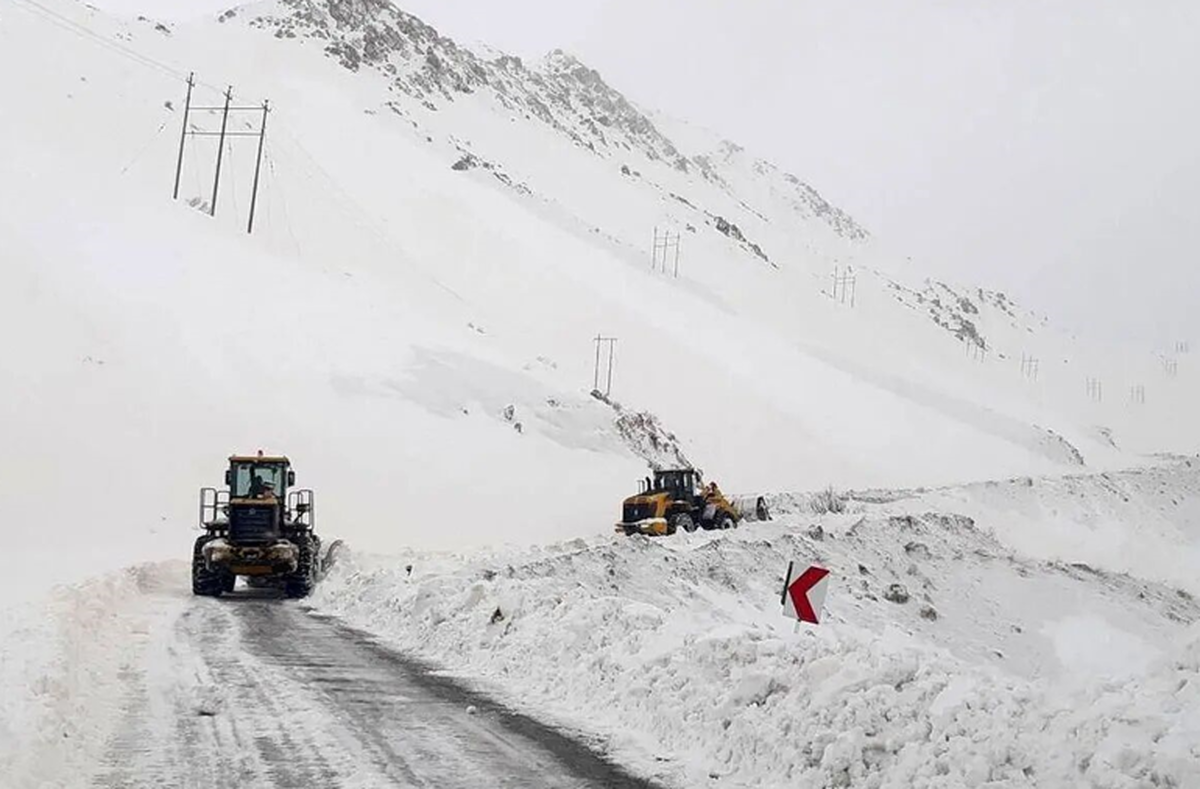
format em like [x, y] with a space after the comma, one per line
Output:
[205, 582]
[682, 521]
[300, 583]
[725, 521]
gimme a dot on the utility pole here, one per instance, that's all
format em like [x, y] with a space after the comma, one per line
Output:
[612, 349]
[220, 151]
[223, 135]
[845, 285]
[664, 242]
[187, 109]
[262, 137]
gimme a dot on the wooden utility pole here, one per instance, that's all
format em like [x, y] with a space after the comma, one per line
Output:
[187, 108]
[612, 346]
[223, 135]
[262, 137]
[845, 285]
[596, 375]
[663, 243]
[220, 151]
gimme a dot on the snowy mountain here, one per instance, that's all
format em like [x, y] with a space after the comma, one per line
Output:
[440, 235]
[560, 92]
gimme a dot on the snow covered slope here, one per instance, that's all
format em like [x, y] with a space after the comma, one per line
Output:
[393, 319]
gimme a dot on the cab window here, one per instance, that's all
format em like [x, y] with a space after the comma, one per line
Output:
[251, 480]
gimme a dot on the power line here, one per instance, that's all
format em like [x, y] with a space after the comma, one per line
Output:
[232, 180]
[287, 220]
[355, 208]
[146, 147]
[196, 175]
[71, 26]
[80, 30]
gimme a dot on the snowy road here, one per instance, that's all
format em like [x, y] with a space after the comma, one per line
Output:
[253, 691]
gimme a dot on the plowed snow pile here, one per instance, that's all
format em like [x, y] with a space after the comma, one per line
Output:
[62, 672]
[946, 659]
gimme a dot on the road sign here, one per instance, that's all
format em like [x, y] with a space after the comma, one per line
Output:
[803, 594]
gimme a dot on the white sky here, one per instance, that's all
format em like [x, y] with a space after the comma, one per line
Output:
[1047, 147]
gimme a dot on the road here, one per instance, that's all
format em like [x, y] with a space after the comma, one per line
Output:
[250, 691]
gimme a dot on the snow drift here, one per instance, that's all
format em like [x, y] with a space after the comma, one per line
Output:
[946, 658]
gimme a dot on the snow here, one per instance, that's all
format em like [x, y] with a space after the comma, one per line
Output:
[411, 311]
[62, 669]
[1090, 645]
[392, 322]
[676, 655]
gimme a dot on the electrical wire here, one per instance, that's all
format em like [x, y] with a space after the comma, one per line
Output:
[66, 23]
[355, 209]
[337, 191]
[80, 30]
[287, 220]
[145, 147]
[196, 175]
[232, 180]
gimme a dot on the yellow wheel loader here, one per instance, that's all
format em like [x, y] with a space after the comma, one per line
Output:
[674, 500]
[260, 528]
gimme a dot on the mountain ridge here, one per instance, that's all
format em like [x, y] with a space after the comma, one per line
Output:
[561, 92]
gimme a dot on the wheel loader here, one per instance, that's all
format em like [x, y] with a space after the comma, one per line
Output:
[258, 527]
[674, 500]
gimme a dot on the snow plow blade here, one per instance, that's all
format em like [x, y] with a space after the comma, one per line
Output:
[336, 548]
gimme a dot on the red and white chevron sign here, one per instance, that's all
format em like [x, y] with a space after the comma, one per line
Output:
[804, 593]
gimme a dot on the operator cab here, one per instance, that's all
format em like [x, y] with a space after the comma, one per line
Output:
[679, 483]
[259, 477]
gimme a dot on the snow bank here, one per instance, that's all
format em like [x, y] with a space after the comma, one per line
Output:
[60, 673]
[675, 655]
[1144, 521]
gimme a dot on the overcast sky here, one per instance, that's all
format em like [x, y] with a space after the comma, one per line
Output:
[1047, 147]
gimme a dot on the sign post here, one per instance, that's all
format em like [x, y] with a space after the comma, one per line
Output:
[803, 595]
